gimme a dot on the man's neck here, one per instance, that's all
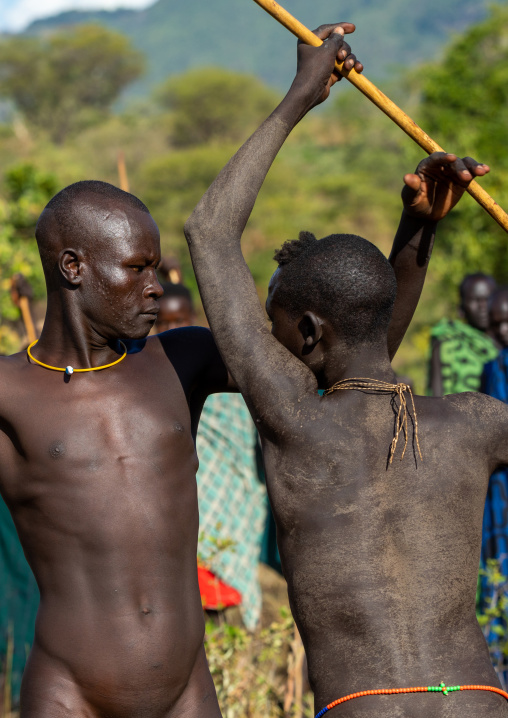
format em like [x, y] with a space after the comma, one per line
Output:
[68, 338]
[367, 361]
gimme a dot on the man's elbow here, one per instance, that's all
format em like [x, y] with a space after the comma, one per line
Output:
[192, 229]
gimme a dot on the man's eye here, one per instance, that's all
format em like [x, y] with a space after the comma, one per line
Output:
[137, 267]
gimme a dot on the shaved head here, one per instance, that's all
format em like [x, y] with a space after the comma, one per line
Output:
[78, 216]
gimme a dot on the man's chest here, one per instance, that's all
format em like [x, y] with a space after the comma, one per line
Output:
[134, 422]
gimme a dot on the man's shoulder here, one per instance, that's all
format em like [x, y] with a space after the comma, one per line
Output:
[11, 366]
[194, 344]
[12, 373]
[194, 356]
[475, 405]
[185, 341]
[186, 336]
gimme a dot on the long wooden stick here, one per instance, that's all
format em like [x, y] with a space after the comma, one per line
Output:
[24, 306]
[122, 173]
[385, 104]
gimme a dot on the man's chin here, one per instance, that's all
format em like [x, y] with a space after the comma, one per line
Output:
[141, 331]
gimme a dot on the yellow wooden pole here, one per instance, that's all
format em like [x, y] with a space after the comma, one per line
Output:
[122, 173]
[24, 306]
[384, 103]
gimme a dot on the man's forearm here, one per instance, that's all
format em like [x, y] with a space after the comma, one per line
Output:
[410, 256]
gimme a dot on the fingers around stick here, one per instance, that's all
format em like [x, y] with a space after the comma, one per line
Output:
[412, 182]
[350, 62]
[324, 31]
[474, 167]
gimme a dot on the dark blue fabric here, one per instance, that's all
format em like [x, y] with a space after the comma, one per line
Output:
[495, 517]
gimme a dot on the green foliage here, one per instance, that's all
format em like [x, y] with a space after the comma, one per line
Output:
[250, 670]
[212, 104]
[465, 96]
[68, 80]
[26, 192]
[465, 106]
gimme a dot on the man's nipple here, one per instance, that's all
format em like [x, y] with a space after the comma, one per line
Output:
[56, 450]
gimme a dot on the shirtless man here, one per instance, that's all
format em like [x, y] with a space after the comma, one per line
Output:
[381, 559]
[98, 470]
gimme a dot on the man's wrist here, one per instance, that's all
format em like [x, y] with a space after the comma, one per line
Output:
[298, 100]
[417, 220]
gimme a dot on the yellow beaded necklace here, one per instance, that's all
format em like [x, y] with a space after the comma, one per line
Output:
[70, 370]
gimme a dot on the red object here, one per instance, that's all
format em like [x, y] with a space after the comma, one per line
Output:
[215, 594]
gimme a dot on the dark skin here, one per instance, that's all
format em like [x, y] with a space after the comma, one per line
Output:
[99, 471]
[498, 318]
[381, 562]
[99, 474]
[474, 310]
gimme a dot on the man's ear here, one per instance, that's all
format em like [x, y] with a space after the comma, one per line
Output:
[460, 312]
[311, 329]
[70, 266]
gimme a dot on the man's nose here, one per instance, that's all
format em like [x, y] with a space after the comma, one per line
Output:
[154, 288]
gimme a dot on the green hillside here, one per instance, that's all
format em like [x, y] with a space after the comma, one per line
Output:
[239, 35]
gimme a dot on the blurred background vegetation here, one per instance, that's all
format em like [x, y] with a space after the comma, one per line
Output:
[168, 87]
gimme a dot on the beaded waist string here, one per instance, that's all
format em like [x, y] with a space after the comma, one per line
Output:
[445, 690]
[382, 387]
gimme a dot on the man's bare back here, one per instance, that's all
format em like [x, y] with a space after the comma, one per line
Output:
[381, 559]
[382, 564]
[98, 470]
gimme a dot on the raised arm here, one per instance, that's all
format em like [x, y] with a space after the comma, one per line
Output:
[266, 372]
[429, 194]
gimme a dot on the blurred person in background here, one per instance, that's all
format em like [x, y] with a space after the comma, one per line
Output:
[461, 347]
[495, 383]
[498, 317]
[232, 499]
[176, 308]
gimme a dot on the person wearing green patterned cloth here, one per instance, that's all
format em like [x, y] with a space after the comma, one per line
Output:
[461, 347]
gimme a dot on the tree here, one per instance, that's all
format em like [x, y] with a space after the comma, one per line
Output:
[27, 192]
[465, 106]
[213, 104]
[69, 79]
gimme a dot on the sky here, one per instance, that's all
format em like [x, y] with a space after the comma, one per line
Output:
[15, 15]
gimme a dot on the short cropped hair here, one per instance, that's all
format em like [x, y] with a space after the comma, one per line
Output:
[342, 278]
[62, 208]
[177, 290]
[473, 278]
[64, 199]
